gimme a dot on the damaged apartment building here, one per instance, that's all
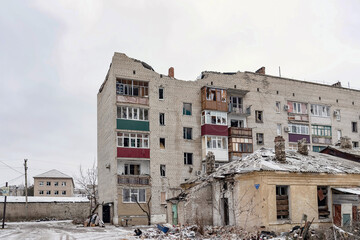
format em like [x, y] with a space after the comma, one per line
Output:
[272, 189]
[155, 131]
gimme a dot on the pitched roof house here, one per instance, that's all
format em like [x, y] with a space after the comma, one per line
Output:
[53, 183]
[267, 191]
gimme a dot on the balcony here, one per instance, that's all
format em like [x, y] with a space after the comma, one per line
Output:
[214, 99]
[134, 179]
[132, 91]
[240, 132]
[240, 142]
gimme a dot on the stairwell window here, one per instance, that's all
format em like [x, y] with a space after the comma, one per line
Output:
[163, 170]
[188, 158]
[277, 107]
[187, 109]
[187, 132]
[260, 138]
[161, 93]
[259, 116]
[162, 119]
[162, 143]
[354, 127]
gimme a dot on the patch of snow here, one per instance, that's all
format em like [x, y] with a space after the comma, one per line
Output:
[16, 199]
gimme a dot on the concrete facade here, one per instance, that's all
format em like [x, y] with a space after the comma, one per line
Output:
[259, 93]
[37, 209]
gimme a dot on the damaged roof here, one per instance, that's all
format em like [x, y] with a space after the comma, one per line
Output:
[264, 160]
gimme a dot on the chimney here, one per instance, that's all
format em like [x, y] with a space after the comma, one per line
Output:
[261, 71]
[210, 163]
[280, 155]
[171, 72]
[345, 142]
[302, 147]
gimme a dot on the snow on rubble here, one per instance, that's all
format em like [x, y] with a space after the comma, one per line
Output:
[264, 160]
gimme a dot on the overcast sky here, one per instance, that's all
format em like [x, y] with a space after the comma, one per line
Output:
[54, 56]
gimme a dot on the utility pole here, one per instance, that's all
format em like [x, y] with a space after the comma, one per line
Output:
[26, 195]
[3, 223]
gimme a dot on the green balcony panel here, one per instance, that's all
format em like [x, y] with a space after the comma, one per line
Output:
[132, 125]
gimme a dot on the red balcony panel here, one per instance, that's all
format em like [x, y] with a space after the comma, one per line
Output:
[133, 152]
[211, 129]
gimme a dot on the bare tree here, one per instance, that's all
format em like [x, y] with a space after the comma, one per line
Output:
[147, 212]
[88, 181]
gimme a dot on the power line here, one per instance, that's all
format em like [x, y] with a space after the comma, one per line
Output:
[13, 179]
[11, 167]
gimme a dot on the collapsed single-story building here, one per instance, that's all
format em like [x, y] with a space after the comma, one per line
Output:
[273, 190]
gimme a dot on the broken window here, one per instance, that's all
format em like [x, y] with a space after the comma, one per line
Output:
[162, 119]
[236, 104]
[161, 93]
[277, 107]
[211, 94]
[188, 158]
[187, 109]
[320, 110]
[237, 123]
[132, 169]
[259, 138]
[162, 143]
[162, 170]
[187, 132]
[355, 144]
[132, 88]
[259, 116]
[354, 126]
[282, 202]
[323, 209]
[134, 195]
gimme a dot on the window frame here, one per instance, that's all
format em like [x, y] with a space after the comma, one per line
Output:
[185, 112]
[161, 93]
[133, 137]
[128, 113]
[279, 189]
[162, 170]
[187, 133]
[127, 87]
[162, 119]
[133, 192]
[277, 107]
[258, 142]
[259, 116]
[130, 169]
[216, 141]
[299, 129]
[48, 183]
[164, 143]
[188, 158]
[354, 127]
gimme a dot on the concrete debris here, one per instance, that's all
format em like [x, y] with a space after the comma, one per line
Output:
[231, 232]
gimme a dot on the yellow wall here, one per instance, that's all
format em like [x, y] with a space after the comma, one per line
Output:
[257, 208]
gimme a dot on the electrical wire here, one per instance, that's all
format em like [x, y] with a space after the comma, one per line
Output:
[11, 167]
[13, 179]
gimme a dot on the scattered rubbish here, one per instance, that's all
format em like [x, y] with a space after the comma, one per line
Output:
[162, 228]
[138, 232]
